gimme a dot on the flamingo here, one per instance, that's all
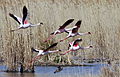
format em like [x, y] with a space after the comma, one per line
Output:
[61, 29]
[74, 46]
[44, 52]
[74, 31]
[23, 22]
[59, 68]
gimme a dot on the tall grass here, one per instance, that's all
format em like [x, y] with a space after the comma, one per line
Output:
[100, 17]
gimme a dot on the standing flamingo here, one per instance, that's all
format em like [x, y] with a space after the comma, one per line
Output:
[74, 31]
[61, 29]
[74, 46]
[23, 22]
[44, 52]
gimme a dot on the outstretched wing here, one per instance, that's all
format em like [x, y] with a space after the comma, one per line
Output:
[18, 19]
[24, 14]
[66, 23]
[78, 23]
[53, 45]
[52, 33]
[77, 41]
[75, 30]
[34, 50]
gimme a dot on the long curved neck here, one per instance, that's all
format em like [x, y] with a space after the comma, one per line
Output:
[81, 34]
[85, 47]
[35, 24]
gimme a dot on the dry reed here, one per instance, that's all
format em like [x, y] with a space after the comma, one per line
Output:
[100, 17]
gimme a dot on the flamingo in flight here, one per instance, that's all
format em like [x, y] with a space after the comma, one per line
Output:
[23, 22]
[74, 31]
[74, 46]
[61, 29]
[44, 52]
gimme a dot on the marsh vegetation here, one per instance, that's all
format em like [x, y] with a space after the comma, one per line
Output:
[100, 17]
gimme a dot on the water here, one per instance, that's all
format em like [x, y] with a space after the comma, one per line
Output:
[48, 71]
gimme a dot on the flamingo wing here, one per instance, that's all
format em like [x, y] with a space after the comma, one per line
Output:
[53, 45]
[24, 14]
[52, 33]
[35, 50]
[77, 41]
[75, 30]
[66, 23]
[18, 19]
[78, 23]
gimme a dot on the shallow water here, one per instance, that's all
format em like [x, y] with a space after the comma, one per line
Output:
[48, 71]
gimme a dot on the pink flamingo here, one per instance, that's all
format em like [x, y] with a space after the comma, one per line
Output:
[61, 29]
[23, 22]
[74, 31]
[44, 52]
[74, 46]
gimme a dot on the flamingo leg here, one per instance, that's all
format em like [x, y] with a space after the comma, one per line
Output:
[49, 38]
[64, 39]
[66, 52]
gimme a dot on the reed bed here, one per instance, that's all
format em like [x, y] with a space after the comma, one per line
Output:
[100, 17]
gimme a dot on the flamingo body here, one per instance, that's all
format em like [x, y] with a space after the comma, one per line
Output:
[74, 46]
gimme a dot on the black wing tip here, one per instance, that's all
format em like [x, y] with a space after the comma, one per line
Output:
[32, 49]
[24, 7]
[52, 33]
[56, 43]
[71, 19]
[10, 14]
[78, 23]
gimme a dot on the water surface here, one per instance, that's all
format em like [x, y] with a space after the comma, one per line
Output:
[48, 71]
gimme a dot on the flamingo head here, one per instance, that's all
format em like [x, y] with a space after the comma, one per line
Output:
[89, 32]
[59, 50]
[41, 23]
[91, 46]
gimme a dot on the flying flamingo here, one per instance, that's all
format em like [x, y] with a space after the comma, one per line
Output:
[74, 31]
[74, 46]
[44, 52]
[60, 30]
[23, 22]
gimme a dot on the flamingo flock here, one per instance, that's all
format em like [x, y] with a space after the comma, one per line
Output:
[72, 32]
